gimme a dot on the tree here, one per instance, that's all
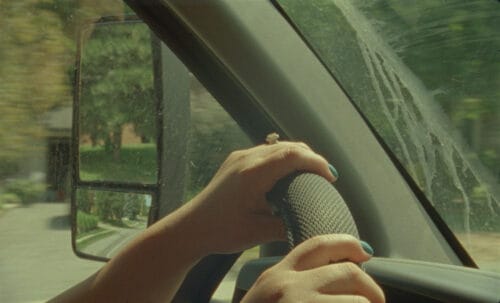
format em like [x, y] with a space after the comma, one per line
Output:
[109, 206]
[401, 64]
[117, 84]
[134, 204]
[34, 57]
[37, 53]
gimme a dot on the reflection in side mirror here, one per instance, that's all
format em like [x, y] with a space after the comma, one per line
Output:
[117, 120]
[107, 220]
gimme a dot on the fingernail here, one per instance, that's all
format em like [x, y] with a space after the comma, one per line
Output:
[367, 247]
[334, 172]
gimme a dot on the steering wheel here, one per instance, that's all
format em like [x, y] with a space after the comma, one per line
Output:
[309, 205]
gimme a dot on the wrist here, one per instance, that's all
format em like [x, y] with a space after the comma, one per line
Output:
[184, 234]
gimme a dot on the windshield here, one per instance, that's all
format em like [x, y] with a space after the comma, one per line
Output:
[426, 75]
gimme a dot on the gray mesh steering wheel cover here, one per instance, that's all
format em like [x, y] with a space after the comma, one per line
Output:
[309, 205]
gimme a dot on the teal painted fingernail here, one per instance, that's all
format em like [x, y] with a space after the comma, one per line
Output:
[334, 172]
[367, 247]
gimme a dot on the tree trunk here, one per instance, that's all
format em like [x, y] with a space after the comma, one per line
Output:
[117, 142]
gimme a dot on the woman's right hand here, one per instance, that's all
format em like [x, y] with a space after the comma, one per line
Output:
[232, 213]
[321, 269]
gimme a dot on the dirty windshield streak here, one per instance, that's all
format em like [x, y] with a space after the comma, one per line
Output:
[427, 76]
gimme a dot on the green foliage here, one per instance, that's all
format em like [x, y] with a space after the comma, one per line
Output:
[37, 55]
[34, 57]
[8, 166]
[112, 207]
[117, 85]
[9, 198]
[137, 163]
[134, 204]
[109, 206]
[27, 191]
[86, 222]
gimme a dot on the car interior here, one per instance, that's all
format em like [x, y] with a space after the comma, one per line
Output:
[361, 83]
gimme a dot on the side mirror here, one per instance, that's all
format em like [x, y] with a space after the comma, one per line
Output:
[118, 136]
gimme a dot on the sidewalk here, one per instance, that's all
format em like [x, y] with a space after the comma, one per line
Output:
[36, 260]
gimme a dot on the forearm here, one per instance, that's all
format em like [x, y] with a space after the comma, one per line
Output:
[150, 269]
[229, 215]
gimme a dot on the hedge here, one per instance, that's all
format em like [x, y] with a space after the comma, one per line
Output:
[26, 190]
[86, 222]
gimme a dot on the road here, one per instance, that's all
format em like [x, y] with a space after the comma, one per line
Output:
[36, 260]
[109, 246]
[484, 248]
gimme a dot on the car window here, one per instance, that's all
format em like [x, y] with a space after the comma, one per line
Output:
[426, 76]
[213, 135]
[37, 63]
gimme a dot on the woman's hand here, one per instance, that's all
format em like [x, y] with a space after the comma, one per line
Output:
[232, 213]
[321, 269]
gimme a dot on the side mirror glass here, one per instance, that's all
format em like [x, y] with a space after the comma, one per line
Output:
[107, 220]
[115, 137]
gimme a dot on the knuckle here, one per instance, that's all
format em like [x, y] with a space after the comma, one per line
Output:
[277, 281]
[266, 275]
[290, 153]
[352, 272]
[236, 155]
[303, 145]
